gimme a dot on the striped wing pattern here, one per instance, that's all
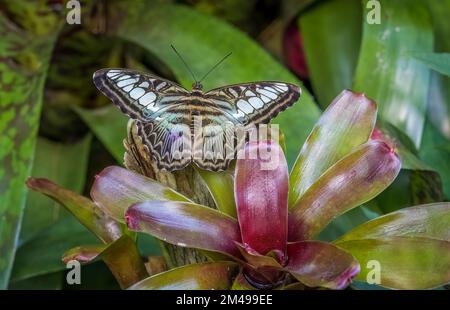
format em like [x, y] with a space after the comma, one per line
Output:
[179, 127]
[256, 103]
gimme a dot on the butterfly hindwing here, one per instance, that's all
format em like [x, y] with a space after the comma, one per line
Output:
[168, 141]
[139, 95]
[256, 103]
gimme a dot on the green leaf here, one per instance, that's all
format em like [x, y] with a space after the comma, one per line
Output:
[203, 40]
[51, 281]
[123, 259]
[66, 164]
[331, 33]
[405, 262]
[82, 208]
[387, 73]
[435, 149]
[42, 254]
[439, 62]
[430, 221]
[26, 50]
[206, 276]
[221, 187]
[109, 125]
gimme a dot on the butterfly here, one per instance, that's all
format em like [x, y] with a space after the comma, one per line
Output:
[166, 114]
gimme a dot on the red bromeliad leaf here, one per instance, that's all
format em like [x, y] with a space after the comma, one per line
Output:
[257, 260]
[431, 221]
[346, 123]
[320, 264]
[206, 276]
[87, 212]
[84, 254]
[186, 224]
[261, 193]
[355, 179]
[115, 189]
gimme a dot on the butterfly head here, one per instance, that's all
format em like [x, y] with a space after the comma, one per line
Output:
[197, 86]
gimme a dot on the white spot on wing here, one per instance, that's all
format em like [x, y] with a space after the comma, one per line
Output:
[160, 85]
[256, 102]
[128, 88]
[147, 99]
[282, 86]
[249, 93]
[267, 93]
[123, 77]
[233, 92]
[244, 106]
[137, 93]
[124, 83]
[112, 73]
[144, 84]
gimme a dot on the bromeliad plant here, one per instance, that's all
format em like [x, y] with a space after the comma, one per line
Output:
[268, 240]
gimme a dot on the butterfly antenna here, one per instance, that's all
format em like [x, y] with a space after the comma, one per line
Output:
[215, 66]
[185, 64]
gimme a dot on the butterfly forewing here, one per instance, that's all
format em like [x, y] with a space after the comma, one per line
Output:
[141, 96]
[255, 103]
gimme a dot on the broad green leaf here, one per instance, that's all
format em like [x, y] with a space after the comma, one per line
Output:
[352, 181]
[386, 71]
[347, 123]
[221, 187]
[66, 164]
[430, 221]
[115, 189]
[51, 281]
[435, 149]
[42, 254]
[123, 259]
[203, 40]
[403, 262]
[206, 276]
[84, 210]
[109, 126]
[26, 50]
[439, 62]
[331, 33]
